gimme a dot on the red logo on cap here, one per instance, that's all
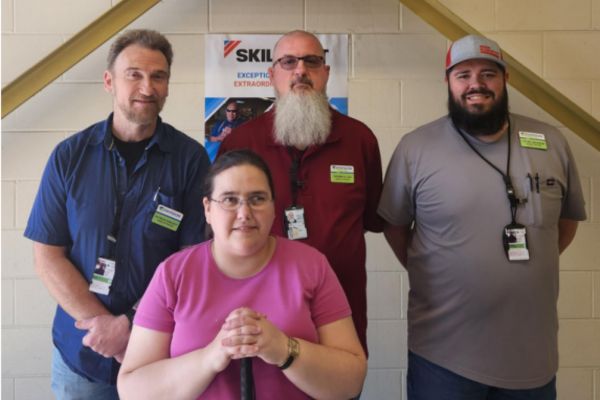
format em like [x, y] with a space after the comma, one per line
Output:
[449, 56]
[487, 50]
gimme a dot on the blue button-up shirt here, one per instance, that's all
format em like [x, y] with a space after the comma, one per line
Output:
[84, 182]
[212, 148]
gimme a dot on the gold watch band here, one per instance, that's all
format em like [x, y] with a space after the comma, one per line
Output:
[293, 352]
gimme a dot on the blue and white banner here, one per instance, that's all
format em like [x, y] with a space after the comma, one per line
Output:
[236, 71]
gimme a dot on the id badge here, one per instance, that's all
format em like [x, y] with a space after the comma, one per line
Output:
[294, 223]
[533, 140]
[514, 238]
[167, 217]
[341, 173]
[103, 276]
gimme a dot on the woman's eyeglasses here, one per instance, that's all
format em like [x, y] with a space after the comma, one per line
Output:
[233, 203]
[291, 62]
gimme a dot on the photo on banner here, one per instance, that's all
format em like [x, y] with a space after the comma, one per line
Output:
[237, 86]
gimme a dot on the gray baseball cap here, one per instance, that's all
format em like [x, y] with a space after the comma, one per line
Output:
[474, 47]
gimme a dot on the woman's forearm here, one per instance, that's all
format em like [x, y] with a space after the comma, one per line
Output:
[327, 373]
[183, 377]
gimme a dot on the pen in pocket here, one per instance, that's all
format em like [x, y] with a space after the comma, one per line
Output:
[530, 179]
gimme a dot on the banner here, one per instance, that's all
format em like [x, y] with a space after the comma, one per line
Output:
[237, 85]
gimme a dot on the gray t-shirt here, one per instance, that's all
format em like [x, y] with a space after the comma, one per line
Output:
[470, 309]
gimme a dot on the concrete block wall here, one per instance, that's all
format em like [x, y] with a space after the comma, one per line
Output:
[395, 84]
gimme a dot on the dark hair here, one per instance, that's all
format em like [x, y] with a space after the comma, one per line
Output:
[235, 158]
[449, 70]
[145, 38]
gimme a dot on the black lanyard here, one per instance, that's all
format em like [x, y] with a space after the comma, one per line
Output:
[119, 200]
[510, 190]
[295, 183]
[114, 231]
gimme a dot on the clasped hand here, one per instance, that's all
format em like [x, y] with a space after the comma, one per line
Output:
[248, 333]
[107, 335]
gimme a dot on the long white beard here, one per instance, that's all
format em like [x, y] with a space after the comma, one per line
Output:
[302, 119]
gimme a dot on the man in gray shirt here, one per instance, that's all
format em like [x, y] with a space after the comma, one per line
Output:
[479, 204]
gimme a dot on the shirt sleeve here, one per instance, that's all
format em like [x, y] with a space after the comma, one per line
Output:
[372, 221]
[216, 129]
[573, 206]
[396, 205]
[193, 226]
[329, 303]
[156, 308]
[48, 221]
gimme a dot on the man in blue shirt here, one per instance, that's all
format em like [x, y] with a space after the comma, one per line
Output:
[114, 201]
[221, 129]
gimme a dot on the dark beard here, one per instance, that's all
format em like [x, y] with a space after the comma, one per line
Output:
[483, 124]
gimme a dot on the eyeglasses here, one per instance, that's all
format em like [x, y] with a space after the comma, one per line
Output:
[256, 202]
[231, 111]
[290, 62]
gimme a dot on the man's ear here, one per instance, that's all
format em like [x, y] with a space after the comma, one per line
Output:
[270, 71]
[108, 78]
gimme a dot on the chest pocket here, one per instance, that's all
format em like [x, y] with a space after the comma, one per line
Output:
[544, 201]
[154, 231]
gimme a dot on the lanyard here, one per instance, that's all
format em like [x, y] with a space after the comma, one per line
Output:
[510, 191]
[295, 183]
[114, 231]
[119, 200]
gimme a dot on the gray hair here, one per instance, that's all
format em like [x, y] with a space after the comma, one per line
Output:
[146, 38]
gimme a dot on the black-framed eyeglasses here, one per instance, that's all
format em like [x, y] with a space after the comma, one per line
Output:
[256, 202]
[231, 111]
[290, 62]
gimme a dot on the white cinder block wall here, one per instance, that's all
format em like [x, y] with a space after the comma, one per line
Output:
[396, 83]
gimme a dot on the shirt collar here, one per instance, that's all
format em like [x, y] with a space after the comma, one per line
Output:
[160, 137]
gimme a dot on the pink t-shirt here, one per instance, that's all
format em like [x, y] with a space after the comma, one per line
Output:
[190, 298]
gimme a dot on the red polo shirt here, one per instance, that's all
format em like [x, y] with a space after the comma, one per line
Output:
[336, 214]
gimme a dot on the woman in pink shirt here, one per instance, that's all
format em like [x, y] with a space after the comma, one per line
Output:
[244, 294]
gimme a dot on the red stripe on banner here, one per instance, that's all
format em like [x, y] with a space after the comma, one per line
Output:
[230, 45]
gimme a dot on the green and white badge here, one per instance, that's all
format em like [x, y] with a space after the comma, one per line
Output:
[103, 276]
[533, 140]
[341, 173]
[167, 217]
[515, 242]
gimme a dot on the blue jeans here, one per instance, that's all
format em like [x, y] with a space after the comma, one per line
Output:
[67, 385]
[428, 381]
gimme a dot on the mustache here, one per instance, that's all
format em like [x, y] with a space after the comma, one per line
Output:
[303, 80]
[485, 92]
[145, 98]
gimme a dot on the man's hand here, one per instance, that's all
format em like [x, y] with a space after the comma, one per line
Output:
[107, 334]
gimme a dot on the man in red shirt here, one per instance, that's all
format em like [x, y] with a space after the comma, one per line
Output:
[326, 166]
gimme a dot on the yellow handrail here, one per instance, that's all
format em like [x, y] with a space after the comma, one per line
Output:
[71, 52]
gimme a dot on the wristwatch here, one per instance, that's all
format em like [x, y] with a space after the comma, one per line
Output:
[293, 352]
